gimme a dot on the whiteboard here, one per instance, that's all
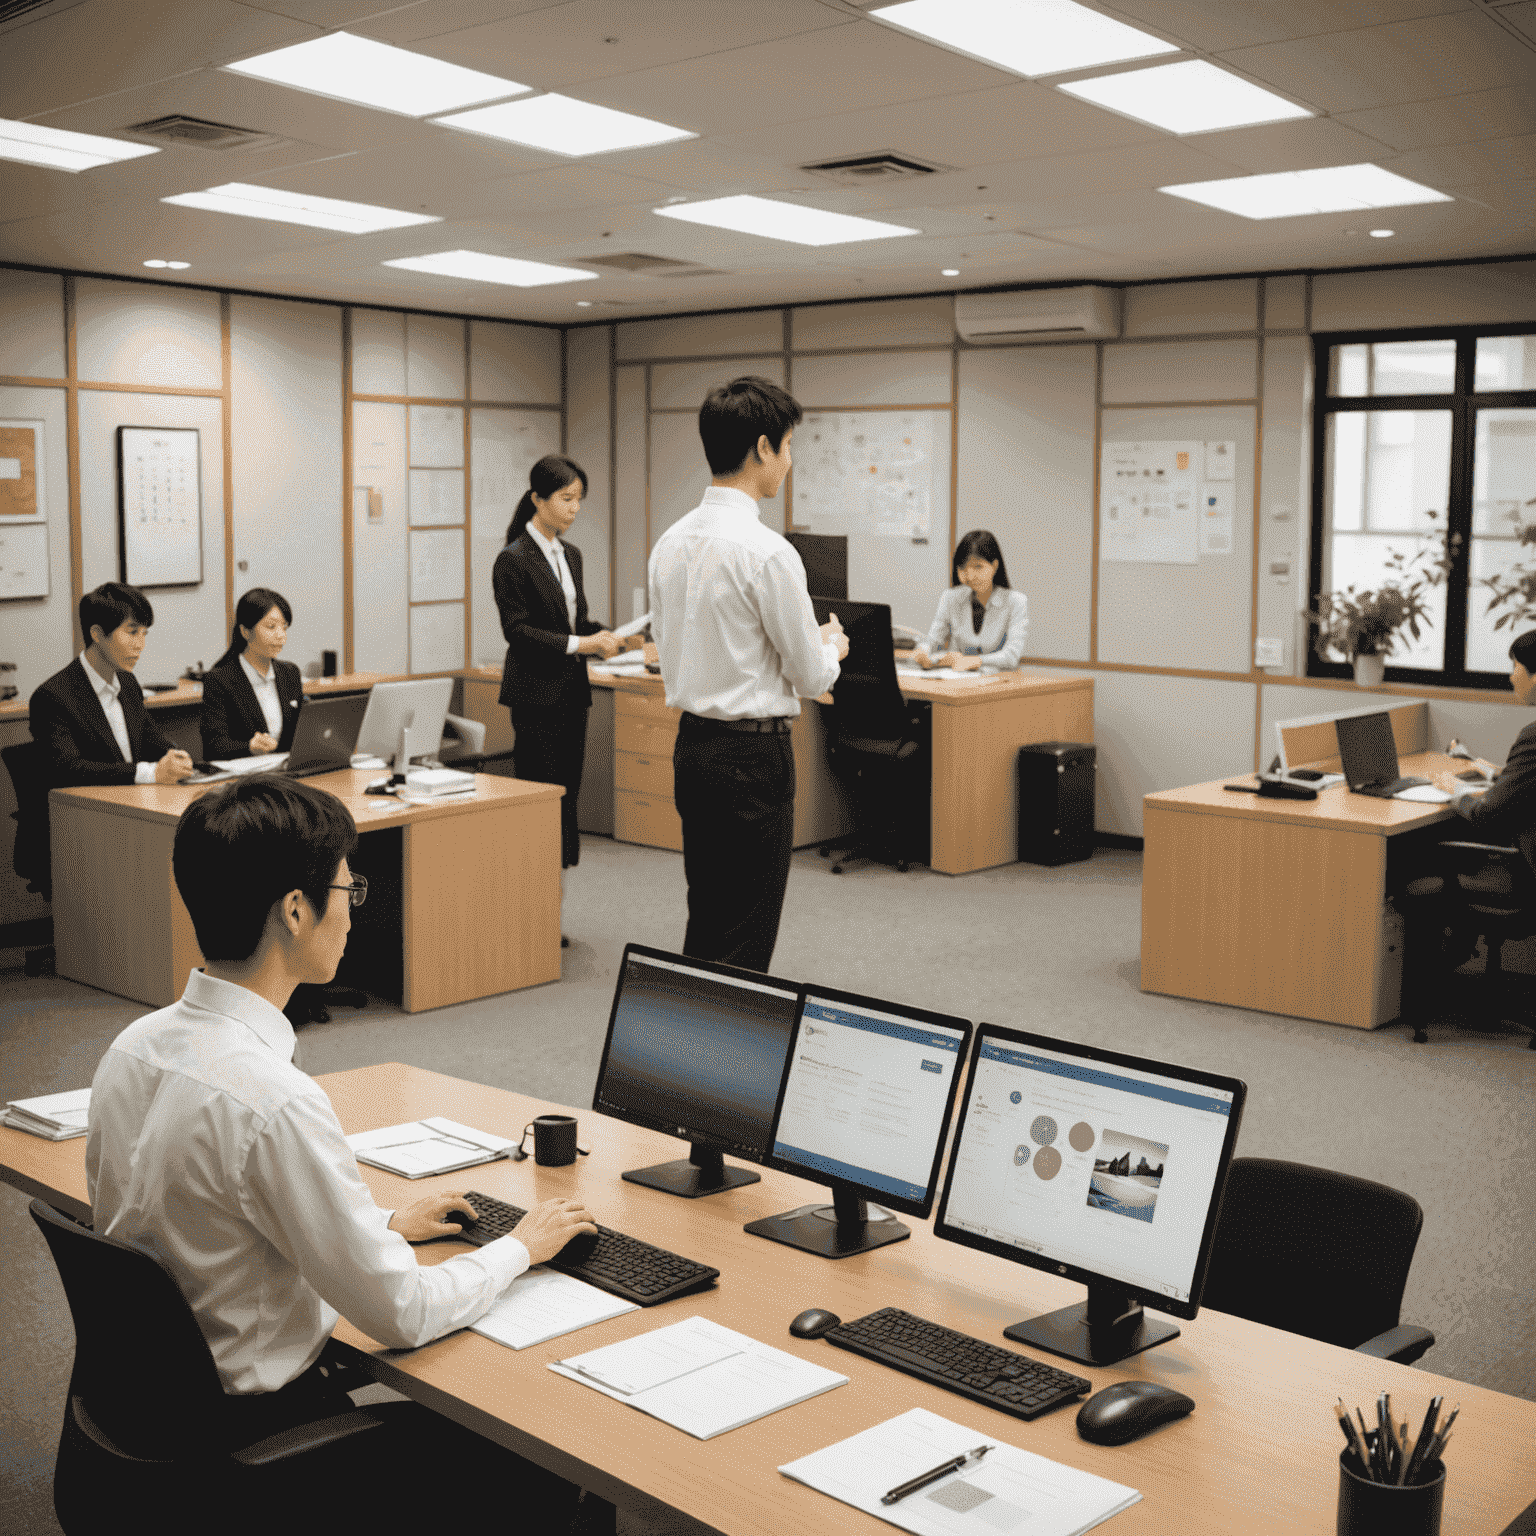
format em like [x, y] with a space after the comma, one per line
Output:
[159, 506]
[24, 560]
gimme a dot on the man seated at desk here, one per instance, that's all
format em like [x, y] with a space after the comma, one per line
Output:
[90, 718]
[211, 1147]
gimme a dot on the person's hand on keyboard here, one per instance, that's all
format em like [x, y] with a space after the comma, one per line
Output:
[424, 1219]
[550, 1225]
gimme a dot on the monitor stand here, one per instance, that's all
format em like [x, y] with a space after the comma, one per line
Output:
[834, 1231]
[1107, 1327]
[702, 1173]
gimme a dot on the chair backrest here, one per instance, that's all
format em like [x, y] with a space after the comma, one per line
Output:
[142, 1367]
[1491, 881]
[1312, 1251]
[26, 762]
[866, 697]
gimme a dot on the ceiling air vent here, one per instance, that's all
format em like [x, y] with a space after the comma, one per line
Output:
[196, 131]
[861, 170]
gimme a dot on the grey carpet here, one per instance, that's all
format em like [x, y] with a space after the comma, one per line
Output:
[1049, 950]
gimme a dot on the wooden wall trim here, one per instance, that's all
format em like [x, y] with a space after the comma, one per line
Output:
[72, 452]
[347, 657]
[227, 422]
[1098, 455]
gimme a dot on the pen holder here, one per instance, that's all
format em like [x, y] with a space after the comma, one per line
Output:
[1369, 1508]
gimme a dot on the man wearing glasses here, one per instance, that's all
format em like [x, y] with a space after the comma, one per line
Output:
[209, 1146]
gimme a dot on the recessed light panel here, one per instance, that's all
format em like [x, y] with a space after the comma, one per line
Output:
[60, 150]
[783, 221]
[565, 126]
[299, 208]
[1285, 194]
[481, 268]
[1030, 37]
[376, 75]
[1189, 97]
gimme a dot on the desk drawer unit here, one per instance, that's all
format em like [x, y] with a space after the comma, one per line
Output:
[648, 819]
[643, 772]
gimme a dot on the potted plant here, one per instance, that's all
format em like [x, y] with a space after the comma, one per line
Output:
[1515, 589]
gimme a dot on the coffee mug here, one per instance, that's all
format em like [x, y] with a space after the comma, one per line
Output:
[554, 1140]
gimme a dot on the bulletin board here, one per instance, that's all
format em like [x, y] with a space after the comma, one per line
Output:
[159, 506]
[23, 511]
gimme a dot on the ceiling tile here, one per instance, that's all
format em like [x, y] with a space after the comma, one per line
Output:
[1453, 165]
[1298, 146]
[1522, 16]
[1215, 28]
[1450, 120]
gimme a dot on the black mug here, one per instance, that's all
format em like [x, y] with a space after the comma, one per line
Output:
[327, 663]
[554, 1140]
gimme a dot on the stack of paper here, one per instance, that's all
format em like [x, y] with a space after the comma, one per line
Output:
[699, 1377]
[54, 1116]
[425, 1147]
[439, 781]
[1008, 1490]
[542, 1304]
[625, 661]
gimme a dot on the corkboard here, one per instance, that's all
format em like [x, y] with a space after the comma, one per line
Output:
[18, 472]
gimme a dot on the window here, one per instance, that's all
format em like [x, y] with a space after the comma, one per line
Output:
[1424, 467]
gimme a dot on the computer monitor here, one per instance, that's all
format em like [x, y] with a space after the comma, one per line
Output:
[825, 557]
[1102, 1167]
[865, 1107]
[423, 699]
[696, 1050]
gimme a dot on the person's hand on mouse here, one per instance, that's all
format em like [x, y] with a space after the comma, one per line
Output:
[550, 1225]
[431, 1216]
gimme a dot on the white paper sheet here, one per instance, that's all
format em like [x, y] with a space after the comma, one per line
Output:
[542, 1304]
[420, 1148]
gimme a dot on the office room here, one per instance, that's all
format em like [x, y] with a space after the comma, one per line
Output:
[1298, 281]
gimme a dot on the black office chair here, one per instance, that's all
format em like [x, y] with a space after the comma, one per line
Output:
[1318, 1253]
[1468, 891]
[32, 856]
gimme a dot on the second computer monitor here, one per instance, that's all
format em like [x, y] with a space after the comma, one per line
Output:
[866, 1104]
[424, 700]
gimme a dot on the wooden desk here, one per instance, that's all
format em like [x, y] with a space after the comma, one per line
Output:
[1260, 1453]
[479, 887]
[1278, 905]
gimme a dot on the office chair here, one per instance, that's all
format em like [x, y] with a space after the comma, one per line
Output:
[1469, 891]
[32, 857]
[1318, 1253]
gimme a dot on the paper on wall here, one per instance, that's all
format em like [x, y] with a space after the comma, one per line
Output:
[1216, 518]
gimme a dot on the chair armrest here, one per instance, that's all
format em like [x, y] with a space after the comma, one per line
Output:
[1482, 847]
[303, 1438]
[1405, 1344]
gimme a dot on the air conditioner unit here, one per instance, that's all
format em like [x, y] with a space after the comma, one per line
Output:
[1044, 314]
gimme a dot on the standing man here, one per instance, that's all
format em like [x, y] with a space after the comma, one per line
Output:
[739, 649]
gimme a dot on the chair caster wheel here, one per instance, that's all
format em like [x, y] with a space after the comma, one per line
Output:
[825, 853]
[837, 869]
[1420, 1038]
[901, 866]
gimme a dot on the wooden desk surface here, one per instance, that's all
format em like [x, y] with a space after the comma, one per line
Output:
[1260, 1453]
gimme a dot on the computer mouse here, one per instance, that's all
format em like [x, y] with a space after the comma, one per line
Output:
[580, 1248]
[814, 1322]
[1128, 1409]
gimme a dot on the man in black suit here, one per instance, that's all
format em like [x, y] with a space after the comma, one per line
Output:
[90, 718]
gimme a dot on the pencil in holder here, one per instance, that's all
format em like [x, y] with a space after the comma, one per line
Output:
[1369, 1508]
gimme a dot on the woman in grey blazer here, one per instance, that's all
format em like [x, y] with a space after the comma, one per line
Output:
[981, 623]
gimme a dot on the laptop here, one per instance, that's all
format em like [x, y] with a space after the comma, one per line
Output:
[1369, 754]
[322, 743]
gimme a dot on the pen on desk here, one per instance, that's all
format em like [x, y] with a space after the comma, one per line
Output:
[917, 1483]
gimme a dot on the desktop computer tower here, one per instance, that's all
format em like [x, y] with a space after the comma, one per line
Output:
[1055, 802]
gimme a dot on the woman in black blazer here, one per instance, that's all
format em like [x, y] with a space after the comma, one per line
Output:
[537, 580]
[251, 700]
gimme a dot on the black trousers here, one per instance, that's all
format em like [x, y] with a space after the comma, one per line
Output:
[550, 748]
[735, 792]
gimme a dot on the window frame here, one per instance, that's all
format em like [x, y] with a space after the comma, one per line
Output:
[1462, 402]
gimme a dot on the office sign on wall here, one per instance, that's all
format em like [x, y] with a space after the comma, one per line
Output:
[159, 506]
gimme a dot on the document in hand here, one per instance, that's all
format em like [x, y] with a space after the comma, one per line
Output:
[54, 1116]
[424, 1147]
[542, 1304]
[1007, 1490]
[700, 1377]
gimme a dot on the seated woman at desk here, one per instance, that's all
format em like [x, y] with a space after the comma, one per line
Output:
[981, 623]
[251, 700]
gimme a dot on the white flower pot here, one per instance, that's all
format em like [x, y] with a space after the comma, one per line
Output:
[1370, 671]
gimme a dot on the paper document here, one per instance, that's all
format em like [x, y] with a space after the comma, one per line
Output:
[542, 1304]
[244, 765]
[424, 1147]
[1008, 1490]
[624, 631]
[54, 1116]
[1425, 792]
[975, 675]
[699, 1377]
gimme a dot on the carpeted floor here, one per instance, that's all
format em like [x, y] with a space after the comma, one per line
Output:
[1049, 950]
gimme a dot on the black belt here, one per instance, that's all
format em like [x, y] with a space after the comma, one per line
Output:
[776, 725]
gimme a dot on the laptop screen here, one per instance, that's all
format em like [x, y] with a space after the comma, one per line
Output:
[1367, 748]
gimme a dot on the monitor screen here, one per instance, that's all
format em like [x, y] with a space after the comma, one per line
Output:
[825, 557]
[871, 653]
[1367, 748]
[868, 1097]
[424, 699]
[697, 1050]
[1090, 1164]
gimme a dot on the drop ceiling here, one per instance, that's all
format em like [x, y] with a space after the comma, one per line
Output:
[1032, 185]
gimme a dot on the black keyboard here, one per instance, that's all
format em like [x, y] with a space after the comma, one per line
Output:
[955, 1361]
[639, 1272]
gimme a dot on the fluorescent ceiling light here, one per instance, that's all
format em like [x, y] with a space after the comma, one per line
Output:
[1190, 97]
[376, 75]
[1285, 194]
[783, 221]
[1030, 37]
[481, 268]
[299, 208]
[565, 126]
[61, 150]
[175, 266]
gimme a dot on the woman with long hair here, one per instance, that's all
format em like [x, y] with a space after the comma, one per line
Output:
[251, 699]
[981, 623]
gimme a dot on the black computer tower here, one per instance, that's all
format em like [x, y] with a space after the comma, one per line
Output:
[1055, 802]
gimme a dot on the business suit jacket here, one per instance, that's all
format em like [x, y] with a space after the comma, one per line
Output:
[538, 673]
[231, 716]
[70, 725]
[1507, 812]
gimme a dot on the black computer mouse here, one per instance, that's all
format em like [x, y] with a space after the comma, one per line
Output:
[1128, 1409]
[580, 1248]
[814, 1322]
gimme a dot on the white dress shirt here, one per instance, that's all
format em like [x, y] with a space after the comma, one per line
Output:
[265, 689]
[112, 708]
[554, 552]
[210, 1147]
[734, 626]
[1004, 628]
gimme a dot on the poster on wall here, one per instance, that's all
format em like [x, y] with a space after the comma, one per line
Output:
[23, 560]
[869, 472]
[159, 506]
[23, 511]
[1147, 502]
